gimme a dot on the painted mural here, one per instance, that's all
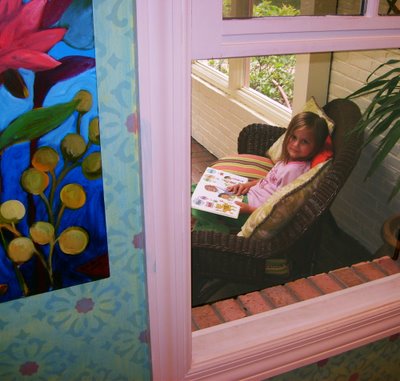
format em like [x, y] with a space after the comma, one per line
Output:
[52, 219]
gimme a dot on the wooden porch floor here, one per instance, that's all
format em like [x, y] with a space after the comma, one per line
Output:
[337, 249]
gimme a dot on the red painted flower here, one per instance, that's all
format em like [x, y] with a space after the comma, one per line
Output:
[138, 241]
[354, 377]
[23, 44]
[84, 305]
[29, 368]
[132, 123]
[144, 336]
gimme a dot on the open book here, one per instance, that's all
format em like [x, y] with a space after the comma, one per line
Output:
[212, 196]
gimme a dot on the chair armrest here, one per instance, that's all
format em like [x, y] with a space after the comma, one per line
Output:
[257, 138]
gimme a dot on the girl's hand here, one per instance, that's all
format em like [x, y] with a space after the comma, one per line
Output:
[245, 208]
[241, 189]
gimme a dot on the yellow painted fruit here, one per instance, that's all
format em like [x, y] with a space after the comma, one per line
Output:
[73, 146]
[21, 250]
[12, 211]
[73, 240]
[85, 101]
[42, 232]
[45, 159]
[94, 131]
[73, 196]
[91, 166]
[34, 181]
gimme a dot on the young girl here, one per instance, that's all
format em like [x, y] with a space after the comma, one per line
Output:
[304, 138]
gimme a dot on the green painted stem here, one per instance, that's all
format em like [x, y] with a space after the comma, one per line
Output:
[21, 280]
[59, 217]
[48, 207]
[50, 260]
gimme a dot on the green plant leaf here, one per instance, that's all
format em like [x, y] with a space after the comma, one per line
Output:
[387, 143]
[35, 123]
[382, 111]
[395, 190]
[388, 73]
[387, 88]
[388, 100]
[369, 88]
[379, 100]
[382, 125]
[380, 84]
[382, 114]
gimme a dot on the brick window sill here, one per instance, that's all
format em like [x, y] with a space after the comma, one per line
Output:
[299, 290]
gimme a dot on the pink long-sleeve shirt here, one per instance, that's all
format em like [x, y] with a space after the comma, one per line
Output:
[280, 175]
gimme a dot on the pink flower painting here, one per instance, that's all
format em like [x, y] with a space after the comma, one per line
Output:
[50, 153]
[23, 44]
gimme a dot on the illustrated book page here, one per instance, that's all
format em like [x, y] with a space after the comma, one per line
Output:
[211, 193]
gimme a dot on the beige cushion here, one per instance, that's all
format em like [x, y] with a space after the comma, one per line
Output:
[275, 150]
[268, 219]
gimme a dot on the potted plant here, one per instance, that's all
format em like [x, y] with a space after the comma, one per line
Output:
[381, 121]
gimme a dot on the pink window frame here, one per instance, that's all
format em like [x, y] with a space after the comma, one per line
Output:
[170, 34]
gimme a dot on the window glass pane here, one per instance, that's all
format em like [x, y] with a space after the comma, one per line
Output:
[389, 7]
[265, 8]
[363, 227]
[220, 65]
[273, 76]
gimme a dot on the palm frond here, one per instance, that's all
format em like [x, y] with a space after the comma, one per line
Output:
[385, 146]
[374, 114]
[367, 89]
[388, 73]
[395, 190]
[382, 115]
[381, 126]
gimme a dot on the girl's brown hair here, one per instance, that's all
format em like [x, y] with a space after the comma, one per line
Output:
[311, 121]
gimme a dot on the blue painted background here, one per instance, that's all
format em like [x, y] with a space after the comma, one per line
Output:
[48, 88]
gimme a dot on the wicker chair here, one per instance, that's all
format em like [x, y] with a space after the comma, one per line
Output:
[229, 258]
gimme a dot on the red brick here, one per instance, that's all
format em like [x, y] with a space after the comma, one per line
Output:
[368, 271]
[205, 316]
[303, 289]
[194, 326]
[254, 303]
[279, 296]
[325, 283]
[388, 265]
[229, 309]
[347, 276]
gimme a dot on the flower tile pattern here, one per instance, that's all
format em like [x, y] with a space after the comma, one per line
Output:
[373, 362]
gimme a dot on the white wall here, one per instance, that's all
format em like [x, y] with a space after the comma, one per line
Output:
[362, 205]
[217, 118]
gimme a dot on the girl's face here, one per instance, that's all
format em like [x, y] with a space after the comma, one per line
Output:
[301, 144]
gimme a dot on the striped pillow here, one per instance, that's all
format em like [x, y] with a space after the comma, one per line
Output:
[247, 165]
